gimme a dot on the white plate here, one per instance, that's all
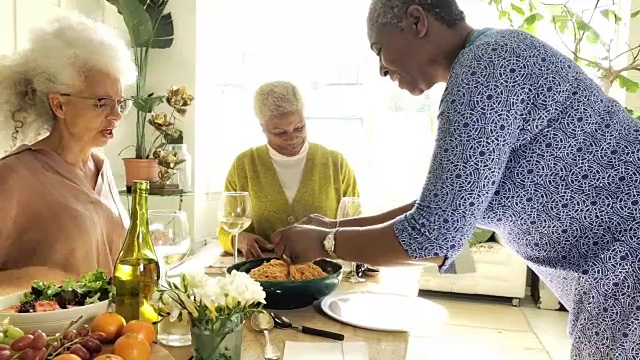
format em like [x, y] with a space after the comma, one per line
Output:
[383, 312]
[51, 322]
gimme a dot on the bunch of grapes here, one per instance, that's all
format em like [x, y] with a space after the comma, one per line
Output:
[37, 346]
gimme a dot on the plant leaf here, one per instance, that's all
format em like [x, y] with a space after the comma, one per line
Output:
[627, 84]
[635, 14]
[561, 22]
[163, 34]
[163, 31]
[137, 20]
[611, 15]
[147, 104]
[528, 24]
[517, 9]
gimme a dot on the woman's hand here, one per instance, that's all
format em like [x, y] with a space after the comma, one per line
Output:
[251, 245]
[300, 243]
[318, 221]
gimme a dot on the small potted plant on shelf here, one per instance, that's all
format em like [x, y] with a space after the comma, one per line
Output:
[216, 309]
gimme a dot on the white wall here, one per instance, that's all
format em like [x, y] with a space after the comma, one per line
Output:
[174, 66]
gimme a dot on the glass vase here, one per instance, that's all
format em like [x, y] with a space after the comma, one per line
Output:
[223, 341]
[183, 171]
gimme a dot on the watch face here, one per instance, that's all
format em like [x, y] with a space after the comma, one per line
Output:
[329, 243]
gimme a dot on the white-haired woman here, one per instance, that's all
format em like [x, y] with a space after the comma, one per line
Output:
[61, 98]
[288, 178]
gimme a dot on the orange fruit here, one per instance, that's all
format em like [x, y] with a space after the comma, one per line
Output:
[143, 328]
[108, 357]
[67, 357]
[109, 323]
[132, 346]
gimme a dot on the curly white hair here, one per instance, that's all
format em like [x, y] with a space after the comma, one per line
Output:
[276, 98]
[54, 61]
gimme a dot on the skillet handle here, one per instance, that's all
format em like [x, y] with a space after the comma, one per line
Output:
[322, 333]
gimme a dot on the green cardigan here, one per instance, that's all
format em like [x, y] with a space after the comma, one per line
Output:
[326, 179]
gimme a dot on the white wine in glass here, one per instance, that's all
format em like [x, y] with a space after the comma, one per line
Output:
[350, 207]
[234, 215]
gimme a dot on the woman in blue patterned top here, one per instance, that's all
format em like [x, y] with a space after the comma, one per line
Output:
[527, 145]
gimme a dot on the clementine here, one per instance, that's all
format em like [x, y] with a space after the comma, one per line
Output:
[143, 328]
[109, 323]
[67, 357]
[108, 357]
[132, 346]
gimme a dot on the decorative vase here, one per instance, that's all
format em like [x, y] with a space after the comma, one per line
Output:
[222, 342]
[183, 171]
[140, 169]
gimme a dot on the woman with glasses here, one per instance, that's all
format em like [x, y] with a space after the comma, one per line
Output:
[61, 99]
[288, 178]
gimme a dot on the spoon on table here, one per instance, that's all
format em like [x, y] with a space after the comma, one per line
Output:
[282, 322]
[262, 321]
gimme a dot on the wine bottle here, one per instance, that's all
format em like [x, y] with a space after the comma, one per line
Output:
[137, 271]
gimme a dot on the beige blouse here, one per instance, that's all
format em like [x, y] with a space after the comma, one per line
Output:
[50, 216]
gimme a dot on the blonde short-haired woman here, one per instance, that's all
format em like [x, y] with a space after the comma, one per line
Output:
[288, 178]
[61, 98]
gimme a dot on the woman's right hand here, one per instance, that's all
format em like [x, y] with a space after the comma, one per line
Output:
[319, 221]
[251, 245]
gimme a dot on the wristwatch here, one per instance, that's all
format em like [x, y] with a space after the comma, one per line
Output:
[330, 243]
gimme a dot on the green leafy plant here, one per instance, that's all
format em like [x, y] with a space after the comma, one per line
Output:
[576, 30]
[149, 27]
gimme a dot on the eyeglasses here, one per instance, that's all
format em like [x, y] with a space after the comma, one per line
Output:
[107, 104]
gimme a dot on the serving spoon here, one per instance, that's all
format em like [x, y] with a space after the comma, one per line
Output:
[262, 321]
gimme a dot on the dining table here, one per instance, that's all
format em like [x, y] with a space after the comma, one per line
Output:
[380, 345]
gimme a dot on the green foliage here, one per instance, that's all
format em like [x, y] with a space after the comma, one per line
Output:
[146, 22]
[575, 29]
[149, 27]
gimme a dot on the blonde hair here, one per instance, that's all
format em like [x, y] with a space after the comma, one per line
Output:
[55, 61]
[276, 98]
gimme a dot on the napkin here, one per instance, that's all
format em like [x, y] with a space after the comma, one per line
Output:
[294, 350]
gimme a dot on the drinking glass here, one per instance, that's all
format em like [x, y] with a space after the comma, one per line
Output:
[350, 207]
[172, 241]
[234, 214]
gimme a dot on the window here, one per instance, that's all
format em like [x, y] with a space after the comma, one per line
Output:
[386, 134]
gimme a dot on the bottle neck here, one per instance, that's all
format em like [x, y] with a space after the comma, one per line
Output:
[140, 209]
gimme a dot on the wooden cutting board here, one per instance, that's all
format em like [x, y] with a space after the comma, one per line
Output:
[157, 352]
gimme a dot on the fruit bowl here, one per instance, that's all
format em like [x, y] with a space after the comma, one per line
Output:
[287, 295]
[50, 322]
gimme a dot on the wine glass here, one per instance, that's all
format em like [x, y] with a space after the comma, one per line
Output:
[350, 207]
[234, 214]
[172, 241]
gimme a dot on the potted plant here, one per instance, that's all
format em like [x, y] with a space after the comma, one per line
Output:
[149, 27]
[216, 309]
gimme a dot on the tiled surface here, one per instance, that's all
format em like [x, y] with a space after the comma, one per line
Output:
[482, 328]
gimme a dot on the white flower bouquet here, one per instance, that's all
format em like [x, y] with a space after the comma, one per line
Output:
[216, 307]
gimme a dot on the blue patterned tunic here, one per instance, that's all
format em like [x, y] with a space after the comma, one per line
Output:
[529, 146]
